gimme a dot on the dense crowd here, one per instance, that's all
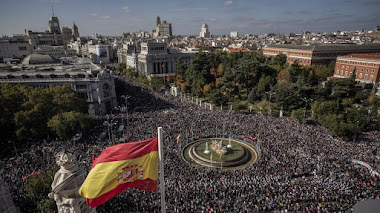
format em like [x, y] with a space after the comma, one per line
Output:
[302, 168]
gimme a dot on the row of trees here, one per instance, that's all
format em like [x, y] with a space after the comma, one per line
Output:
[28, 113]
[272, 84]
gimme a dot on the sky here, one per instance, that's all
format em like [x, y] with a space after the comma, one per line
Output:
[113, 17]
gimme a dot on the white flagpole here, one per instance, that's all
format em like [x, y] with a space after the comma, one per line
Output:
[161, 160]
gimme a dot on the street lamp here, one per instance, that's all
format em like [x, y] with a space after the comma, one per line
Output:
[121, 109]
[356, 130]
[270, 98]
[109, 126]
[126, 105]
[306, 100]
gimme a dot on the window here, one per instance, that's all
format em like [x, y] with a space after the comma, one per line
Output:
[371, 77]
[346, 68]
[346, 73]
[366, 76]
[362, 70]
[366, 71]
[337, 72]
[338, 66]
[342, 66]
[352, 69]
[361, 75]
[373, 71]
[341, 72]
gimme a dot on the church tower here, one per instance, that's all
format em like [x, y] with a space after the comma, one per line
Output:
[75, 31]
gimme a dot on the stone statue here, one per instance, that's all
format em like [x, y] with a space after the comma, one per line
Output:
[66, 184]
[6, 202]
[219, 147]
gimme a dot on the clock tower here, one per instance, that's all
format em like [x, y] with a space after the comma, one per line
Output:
[54, 24]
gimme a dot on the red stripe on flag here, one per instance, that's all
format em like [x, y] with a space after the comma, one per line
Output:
[126, 151]
[147, 185]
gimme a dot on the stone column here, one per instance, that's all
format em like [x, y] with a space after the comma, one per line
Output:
[6, 202]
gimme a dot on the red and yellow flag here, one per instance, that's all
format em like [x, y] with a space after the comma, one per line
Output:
[119, 167]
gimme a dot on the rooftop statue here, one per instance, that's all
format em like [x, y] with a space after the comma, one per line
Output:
[66, 184]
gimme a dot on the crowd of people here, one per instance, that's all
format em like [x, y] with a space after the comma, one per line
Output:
[302, 168]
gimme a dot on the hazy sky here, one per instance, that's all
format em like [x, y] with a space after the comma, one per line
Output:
[112, 17]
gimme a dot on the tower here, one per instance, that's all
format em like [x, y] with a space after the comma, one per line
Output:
[158, 21]
[54, 23]
[75, 31]
[204, 31]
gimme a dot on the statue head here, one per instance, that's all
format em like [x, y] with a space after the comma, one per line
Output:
[64, 159]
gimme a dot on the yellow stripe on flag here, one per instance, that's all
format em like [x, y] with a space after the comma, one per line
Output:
[104, 177]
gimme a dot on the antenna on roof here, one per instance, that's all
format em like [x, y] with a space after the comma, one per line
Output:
[52, 8]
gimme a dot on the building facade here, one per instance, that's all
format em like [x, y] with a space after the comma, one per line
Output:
[234, 34]
[162, 28]
[55, 36]
[92, 82]
[204, 31]
[365, 67]
[99, 53]
[16, 47]
[157, 59]
[318, 54]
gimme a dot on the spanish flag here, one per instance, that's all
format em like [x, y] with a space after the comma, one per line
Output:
[119, 167]
[178, 138]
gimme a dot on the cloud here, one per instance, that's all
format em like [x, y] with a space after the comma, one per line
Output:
[228, 3]
[127, 9]
[94, 14]
[105, 17]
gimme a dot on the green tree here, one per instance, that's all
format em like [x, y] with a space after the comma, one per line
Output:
[38, 188]
[264, 85]
[67, 124]
[279, 62]
[341, 88]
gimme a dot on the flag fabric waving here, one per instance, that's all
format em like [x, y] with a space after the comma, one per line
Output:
[120, 167]
[178, 138]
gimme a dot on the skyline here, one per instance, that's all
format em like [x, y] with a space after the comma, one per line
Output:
[187, 17]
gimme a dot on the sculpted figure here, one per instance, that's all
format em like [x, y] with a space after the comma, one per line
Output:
[66, 184]
[219, 147]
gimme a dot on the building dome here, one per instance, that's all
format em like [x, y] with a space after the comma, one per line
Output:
[39, 59]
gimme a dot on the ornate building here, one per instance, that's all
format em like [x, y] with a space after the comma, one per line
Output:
[157, 59]
[317, 54]
[90, 81]
[162, 28]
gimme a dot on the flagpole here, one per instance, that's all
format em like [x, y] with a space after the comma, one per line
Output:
[161, 160]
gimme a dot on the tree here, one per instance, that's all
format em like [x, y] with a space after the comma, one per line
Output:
[38, 188]
[263, 86]
[341, 88]
[279, 61]
[67, 124]
[252, 97]
[284, 77]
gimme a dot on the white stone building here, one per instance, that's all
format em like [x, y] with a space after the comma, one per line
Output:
[234, 34]
[16, 47]
[92, 82]
[162, 28]
[204, 31]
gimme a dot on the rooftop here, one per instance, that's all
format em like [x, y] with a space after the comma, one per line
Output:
[370, 56]
[328, 47]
